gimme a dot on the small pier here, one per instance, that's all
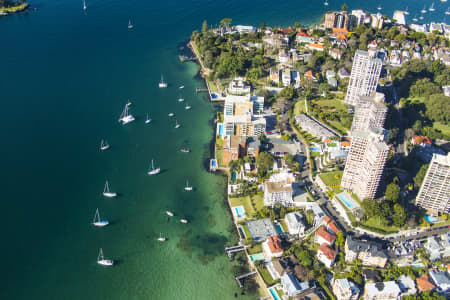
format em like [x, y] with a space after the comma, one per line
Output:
[238, 279]
[185, 58]
[199, 90]
[234, 249]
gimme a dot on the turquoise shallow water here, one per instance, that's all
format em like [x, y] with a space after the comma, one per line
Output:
[65, 76]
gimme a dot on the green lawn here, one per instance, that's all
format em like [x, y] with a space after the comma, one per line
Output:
[444, 128]
[330, 178]
[299, 108]
[375, 223]
[266, 276]
[331, 105]
[245, 201]
[257, 248]
[337, 125]
[219, 157]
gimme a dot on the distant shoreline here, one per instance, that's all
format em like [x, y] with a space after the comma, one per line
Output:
[14, 9]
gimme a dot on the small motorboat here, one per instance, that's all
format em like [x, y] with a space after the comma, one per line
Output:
[184, 221]
[181, 87]
[169, 213]
[171, 114]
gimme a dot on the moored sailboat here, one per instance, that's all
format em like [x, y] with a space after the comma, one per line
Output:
[104, 145]
[161, 238]
[162, 84]
[126, 117]
[97, 221]
[130, 26]
[147, 120]
[152, 170]
[184, 221]
[187, 187]
[107, 192]
[169, 213]
[102, 261]
[176, 124]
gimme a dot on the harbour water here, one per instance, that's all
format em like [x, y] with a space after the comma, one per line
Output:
[65, 76]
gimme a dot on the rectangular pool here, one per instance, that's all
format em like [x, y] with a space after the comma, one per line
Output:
[257, 256]
[350, 203]
[274, 294]
[220, 129]
[240, 211]
[279, 228]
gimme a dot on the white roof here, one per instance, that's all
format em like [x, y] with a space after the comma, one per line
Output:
[382, 288]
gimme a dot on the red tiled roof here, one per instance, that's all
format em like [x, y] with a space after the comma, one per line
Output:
[323, 233]
[327, 141]
[342, 31]
[301, 33]
[327, 251]
[274, 244]
[333, 227]
[309, 73]
[345, 144]
[424, 284]
[286, 30]
[327, 220]
[314, 45]
[421, 140]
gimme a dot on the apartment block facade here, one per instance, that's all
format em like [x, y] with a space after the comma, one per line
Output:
[365, 162]
[434, 194]
[239, 116]
[364, 77]
[370, 111]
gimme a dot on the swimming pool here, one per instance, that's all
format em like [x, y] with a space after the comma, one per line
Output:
[274, 294]
[214, 163]
[350, 203]
[278, 228]
[257, 256]
[240, 211]
[431, 219]
[315, 149]
[213, 96]
[233, 176]
[220, 129]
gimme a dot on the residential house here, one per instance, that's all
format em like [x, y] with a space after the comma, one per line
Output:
[303, 37]
[272, 247]
[323, 236]
[279, 147]
[316, 47]
[332, 82]
[424, 284]
[406, 285]
[371, 275]
[283, 56]
[446, 89]
[422, 141]
[237, 86]
[345, 289]
[370, 253]
[326, 255]
[343, 73]
[292, 287]
[233, 148]
[253, 146]
[295, 223]
[331, 225]
[433, 248]
[330, 74]
[244, 29]
[310, 75]
[278, 267]
[286, 77]
[388, 290]
[441, 280]
[275, 75]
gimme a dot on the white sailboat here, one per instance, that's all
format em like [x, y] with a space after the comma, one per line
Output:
[406, 12]
[181, 87]
[169, 213]
[443, 0]
[379, 7]
[126, 117]
[170, 114]
[97, 221]
[84, 5]
[187, 107]
[130, 26]
[421, 17]
[104, 145]
[147, 120]
[161, 238]
[424, 10]
[152, 170]
[326, 3]
[432, 7]
[448, 11]
[106, 191]
[185, 150]
[184, 221]
[181, 99]
[102, 261]
[415, 18]
[176, 124]
[162, 84]
[187, 187]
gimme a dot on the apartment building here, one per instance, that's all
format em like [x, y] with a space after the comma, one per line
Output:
[370, 253]
[278, 192]
[434, 194]
[239, 116]
[365, 162]
[344, 289]
[337, 20]
[388, 290]
[364, 77]
[370, 111]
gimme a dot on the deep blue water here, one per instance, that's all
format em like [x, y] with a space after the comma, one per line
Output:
[65, 76]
